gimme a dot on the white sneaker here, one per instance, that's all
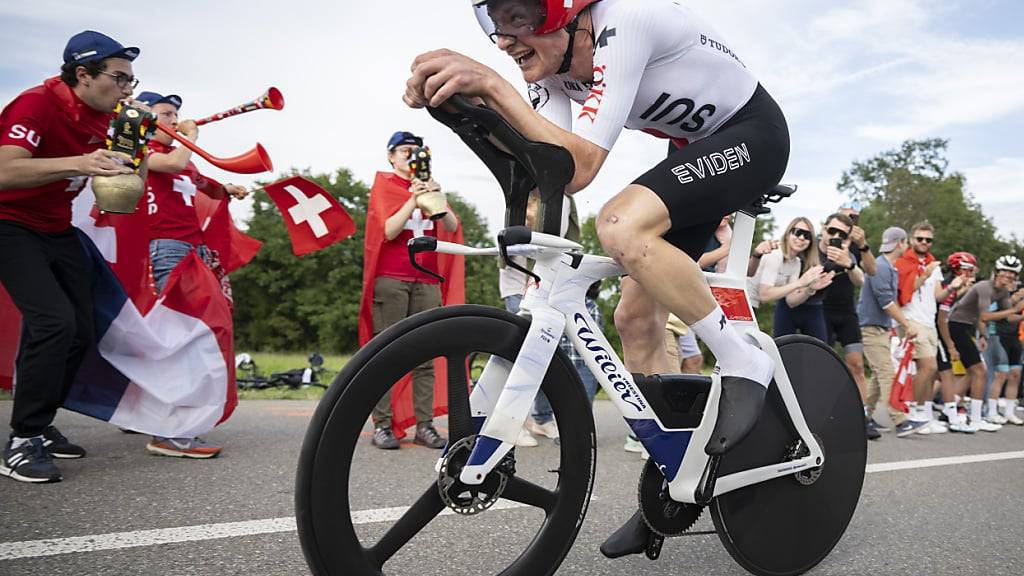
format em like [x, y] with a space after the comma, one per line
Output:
[985, 426]
[549, 429]
[1012, 418]
[962, 427]
[525, 439]
[933, 427]
[995, 419]
[633, 445]
[643, 453]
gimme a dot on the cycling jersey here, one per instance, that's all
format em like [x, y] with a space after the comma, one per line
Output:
[658, 67]
[968, 309]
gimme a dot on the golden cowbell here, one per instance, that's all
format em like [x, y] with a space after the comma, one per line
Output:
[433, 205]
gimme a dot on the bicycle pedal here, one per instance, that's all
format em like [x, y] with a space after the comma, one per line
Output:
[653, 547]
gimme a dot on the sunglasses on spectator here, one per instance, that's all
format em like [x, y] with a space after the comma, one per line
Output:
[801, 233]
[924, 239]
[833, 231]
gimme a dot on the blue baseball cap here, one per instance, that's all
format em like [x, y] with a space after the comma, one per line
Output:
[152, 99]
[91, 46]
[399, 138]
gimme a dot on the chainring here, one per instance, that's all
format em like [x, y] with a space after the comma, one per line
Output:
[464, 499]
[663, 516]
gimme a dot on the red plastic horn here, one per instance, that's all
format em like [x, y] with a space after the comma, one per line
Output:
[272, 99]
[252, 162]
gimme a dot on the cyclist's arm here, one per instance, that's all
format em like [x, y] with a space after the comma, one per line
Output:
[943, 326]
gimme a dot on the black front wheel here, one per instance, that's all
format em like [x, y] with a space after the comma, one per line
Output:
[362, 511]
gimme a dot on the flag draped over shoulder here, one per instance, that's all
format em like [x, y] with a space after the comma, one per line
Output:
[386, 197]
[234, 248]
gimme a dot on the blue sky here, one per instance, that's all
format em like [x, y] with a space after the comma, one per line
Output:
[854, 78]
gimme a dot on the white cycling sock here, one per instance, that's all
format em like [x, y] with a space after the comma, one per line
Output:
[949, 409]
[929, 407]
[736, 356]
[975, 411]
[993, 409]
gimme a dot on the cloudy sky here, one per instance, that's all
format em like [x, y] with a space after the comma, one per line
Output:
[854, 78]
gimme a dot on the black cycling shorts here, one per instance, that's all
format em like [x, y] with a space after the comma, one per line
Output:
[943, 360]
[844, 326]
[1013, 350]
[963, 338]
[722, 173]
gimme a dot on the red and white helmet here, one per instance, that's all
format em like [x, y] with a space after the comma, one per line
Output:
[521, 17]
[962, 261]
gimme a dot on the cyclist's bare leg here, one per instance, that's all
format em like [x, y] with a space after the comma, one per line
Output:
[640, 322]
[630, 227]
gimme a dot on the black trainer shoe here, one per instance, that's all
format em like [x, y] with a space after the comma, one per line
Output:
[630, 538]
[59, 446]
[384, 439]
[29, 462]
[870, 430]
[427, 436]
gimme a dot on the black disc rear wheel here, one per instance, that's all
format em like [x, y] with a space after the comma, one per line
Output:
[333, 510]
[788, 525]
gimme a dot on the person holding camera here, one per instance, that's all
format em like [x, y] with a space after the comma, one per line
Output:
[794, 278]
[845, 252]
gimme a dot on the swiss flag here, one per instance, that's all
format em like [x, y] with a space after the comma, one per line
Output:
[315, 219]
[234, 248]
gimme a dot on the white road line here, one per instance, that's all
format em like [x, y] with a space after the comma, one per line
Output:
[118, 540]
[950, 461]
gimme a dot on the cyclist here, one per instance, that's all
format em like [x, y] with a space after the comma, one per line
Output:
[962, 267]
[970, 312]
[1006, 333]
[657, 67]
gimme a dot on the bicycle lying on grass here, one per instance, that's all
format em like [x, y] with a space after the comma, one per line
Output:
[250, 378]
[780, 500]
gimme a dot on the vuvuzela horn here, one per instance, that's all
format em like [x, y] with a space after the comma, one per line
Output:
[252, 162]
[272, 99]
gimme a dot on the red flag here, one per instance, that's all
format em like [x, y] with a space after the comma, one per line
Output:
[315, 219]
[386, 197]
[10, 332]
[903, 381]
[234, 248]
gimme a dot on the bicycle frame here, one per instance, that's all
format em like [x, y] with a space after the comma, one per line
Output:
[503, 397]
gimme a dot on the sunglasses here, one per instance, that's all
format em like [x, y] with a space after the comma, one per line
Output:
[801, 233]
[924, 239]
[833, 231]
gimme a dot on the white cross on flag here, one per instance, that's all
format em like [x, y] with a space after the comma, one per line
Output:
[314, 218]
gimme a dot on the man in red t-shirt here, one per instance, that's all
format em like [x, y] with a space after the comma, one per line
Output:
[400, 290]
[174, 229]
[51, 142]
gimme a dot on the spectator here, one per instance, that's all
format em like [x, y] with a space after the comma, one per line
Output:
[841, 320]
[51, 142]
[174, 230]
[398, 289]
[964, 322]
[1004, 333]
[792, 276]
[919, 292]
[962, 266]
[877, 309]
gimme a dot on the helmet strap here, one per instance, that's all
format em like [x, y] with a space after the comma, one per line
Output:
[571, 28]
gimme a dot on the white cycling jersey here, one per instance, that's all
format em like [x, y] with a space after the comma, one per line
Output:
[658, 67]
